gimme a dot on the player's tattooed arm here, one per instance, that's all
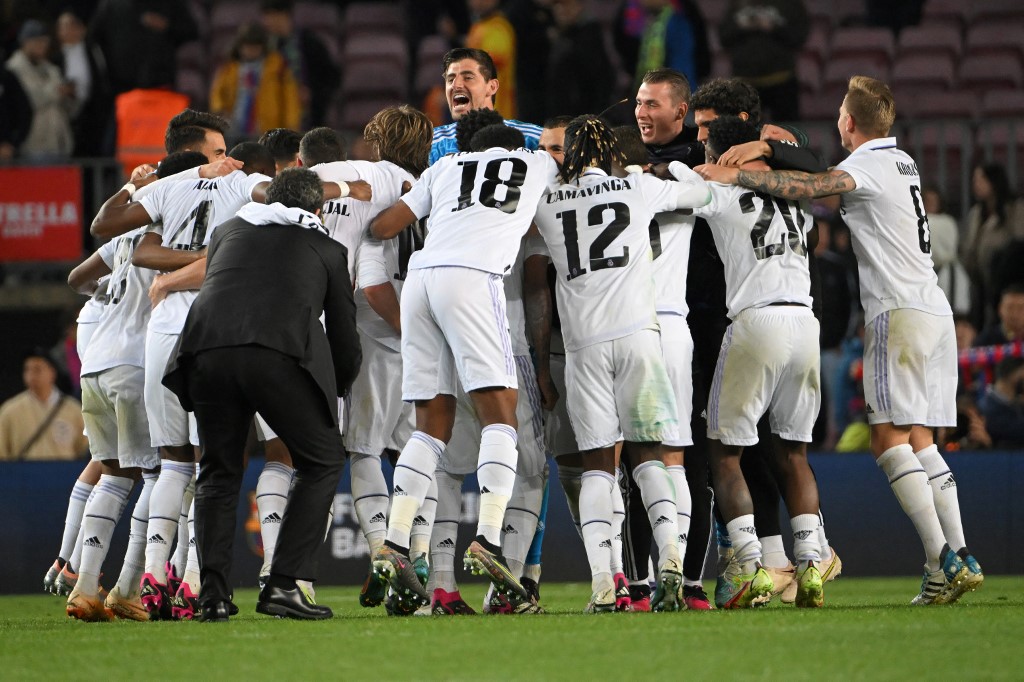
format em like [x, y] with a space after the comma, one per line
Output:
[797, 185]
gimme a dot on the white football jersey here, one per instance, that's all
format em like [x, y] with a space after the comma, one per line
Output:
[762, 241]
[597, 233]
[185, 214]
[514, 308]
[92, 311]
[480, 206]
[120, 335]
[670, 244]
[890, 233]
[346, 219]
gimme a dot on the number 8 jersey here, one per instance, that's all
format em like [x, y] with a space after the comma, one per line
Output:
[889, 230]
[480, 205]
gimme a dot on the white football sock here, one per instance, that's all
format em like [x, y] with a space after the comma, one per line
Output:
[659, 498]
[521, 519]
[135, 556]
[944, 495]
[76, 553]
[445, 534]
[909, 482]
[806, 546]
[743, 536]
[423, 523]
[596, 522]
[684, 504]
[191, 575]
[496, 474]
[73, 520]
[826, 551]
[101, 516]
[413, 474]
[271, 499]
[569, 477]
[370, 497]
[182, 543]
[618, 517]
[773, 552]
[164, 512]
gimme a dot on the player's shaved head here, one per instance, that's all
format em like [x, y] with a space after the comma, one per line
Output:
[178, 162]
[256, 157]
[726, 132]
[471, 123]
[401, 135]
[321, 145]
[497, 135]
[297, 187]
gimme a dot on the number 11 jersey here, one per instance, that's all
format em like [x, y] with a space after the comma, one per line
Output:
[889, 231]
[597, 234]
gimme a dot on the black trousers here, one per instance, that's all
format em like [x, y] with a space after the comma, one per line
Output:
[227, 387]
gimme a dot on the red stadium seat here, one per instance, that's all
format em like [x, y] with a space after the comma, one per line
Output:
[928, 39]
[849, 12]
[1000, 103]
[916, 74]
[356, 113]
[377, 17]
[997, 10]
[996, 38]
[838, 71]
[987, 72]
[815, 106]
[932, 104]
[192, 82]
[374, 80]
[950, 12]
[366, 47]
[192, 55]
[817, 45]
[227, 16]
[808, 73]
[876, 43]
[318, 17]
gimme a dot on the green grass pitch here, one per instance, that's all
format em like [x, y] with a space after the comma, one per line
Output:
[866, 631]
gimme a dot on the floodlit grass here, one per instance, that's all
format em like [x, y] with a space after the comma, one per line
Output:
[866, 631]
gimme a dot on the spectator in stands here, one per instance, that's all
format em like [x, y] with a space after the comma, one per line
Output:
[84, 68]
[308, 58]
[139, 38]
[763, 39]
[49, 137]
[966, 332]
[837, 306]
[945, 240]
[674, 37]
[15, 115]
[1010, 325]
[1002, 406]
[283, 143]
[41, 423]
[533, 23]
[492, 33]
[255, 90]
[578, 48]
[894, 15]
[995, 219]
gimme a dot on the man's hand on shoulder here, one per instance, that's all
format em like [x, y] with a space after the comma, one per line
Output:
[715, 173]
[141, 172]
[744, 153]
[220, 168]
[360, 190]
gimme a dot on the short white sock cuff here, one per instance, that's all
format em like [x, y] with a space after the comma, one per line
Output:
[598, 474]
[81, 491]
[115, 485]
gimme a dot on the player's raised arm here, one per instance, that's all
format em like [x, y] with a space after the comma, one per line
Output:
[693, 191]
[84, 279]
[119, 215]
[150, 253]
[785, 184]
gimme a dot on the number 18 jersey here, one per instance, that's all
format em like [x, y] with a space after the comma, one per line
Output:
[598, 238]
[889, 231]
[480, 205]
[761, 240]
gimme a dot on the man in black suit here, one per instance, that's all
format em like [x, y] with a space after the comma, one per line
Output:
[253, 342]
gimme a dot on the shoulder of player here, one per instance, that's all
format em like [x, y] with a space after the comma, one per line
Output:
[527, 129]
[445, 132]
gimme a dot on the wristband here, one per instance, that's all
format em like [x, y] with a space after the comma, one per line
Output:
[344, 189]
[130, 188]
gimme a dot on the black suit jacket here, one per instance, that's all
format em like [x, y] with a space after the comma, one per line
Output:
[267, 285]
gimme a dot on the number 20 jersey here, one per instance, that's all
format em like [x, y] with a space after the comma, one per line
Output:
[480, 205]
[761, 240]
[889, 230]
[597, 235]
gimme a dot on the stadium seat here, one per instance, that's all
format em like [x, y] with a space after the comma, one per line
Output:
[940, 149]
[814, 106]
[227, 16]
[931, 104]
[355, 113]
[318, 17]
[996, 38]
[949, 12]
[192, 82]
[916, 74]
[875, 43]
[929, 39]
[374, 80]
[817, 45]
[376, 17]
[1002, 141]
[838, 71]
[385, 47]
[997, 11]
[986, 72]
[808, 72]
[1000, 103]
[849, 12]
[431, 50]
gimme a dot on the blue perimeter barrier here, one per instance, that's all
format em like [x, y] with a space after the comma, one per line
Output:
[863, 520]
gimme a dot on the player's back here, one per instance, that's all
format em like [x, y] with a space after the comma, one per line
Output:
[670, 235]
[480, 205]
[889, 230]
[763, 245]
[597, 234]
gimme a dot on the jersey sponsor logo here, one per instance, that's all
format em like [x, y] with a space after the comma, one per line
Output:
[610, 185]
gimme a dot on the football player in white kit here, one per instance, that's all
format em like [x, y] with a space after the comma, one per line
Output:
[769, 362]
[456, 331]
[910, 366]
[616, 383]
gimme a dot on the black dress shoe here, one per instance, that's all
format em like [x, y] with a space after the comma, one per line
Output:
[293, 603]
[215, 612]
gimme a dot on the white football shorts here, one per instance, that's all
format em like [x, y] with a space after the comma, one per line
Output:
[115, 417]
[377, 417]
[677, 348]
[169, 423]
